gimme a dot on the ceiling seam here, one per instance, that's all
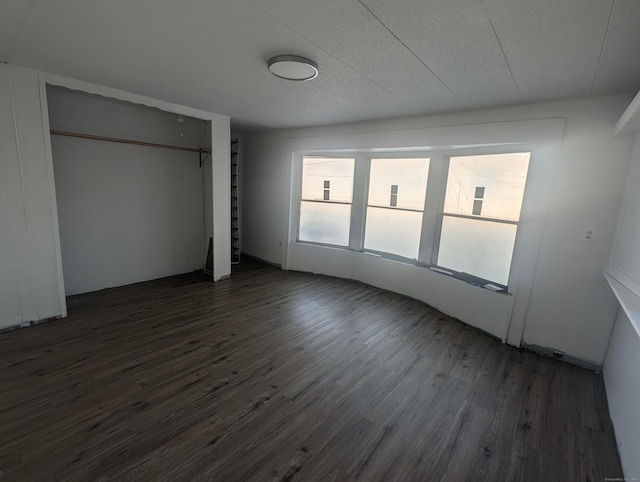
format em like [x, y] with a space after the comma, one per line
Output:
[604, 42]
[412, 53]
[504, 55]
[326, 52]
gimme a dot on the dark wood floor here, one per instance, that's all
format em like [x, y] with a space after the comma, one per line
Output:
[287, 376]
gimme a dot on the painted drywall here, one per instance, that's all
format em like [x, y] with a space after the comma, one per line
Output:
[570, 308]
[126, 213]
[625, 258]
[621, 374]
[622, 382]
[264, 185]
[30, 288]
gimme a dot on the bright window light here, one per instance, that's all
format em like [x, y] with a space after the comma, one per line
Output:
[481, 214]
[397, 189]
[325, 205]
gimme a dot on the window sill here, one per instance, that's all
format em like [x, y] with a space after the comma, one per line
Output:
[472, 280]
[465, 277]
[629, 301]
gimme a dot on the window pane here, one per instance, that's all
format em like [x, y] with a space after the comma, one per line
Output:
[406, 178]
[325, 178]
[480, 248]
[498, 178]
[325, 223]
[393, 231]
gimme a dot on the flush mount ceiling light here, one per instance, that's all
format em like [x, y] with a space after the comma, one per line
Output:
[292, 67]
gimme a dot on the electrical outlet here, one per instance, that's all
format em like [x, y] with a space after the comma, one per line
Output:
[588, 235]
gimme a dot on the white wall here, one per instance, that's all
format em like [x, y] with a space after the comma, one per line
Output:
[625, 255]
[622, 381]
[621, 367]
[264, 187]
[126, 213]
[570, 308]
[30, 283]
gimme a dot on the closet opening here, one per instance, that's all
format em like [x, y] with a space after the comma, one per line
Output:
[133, 188]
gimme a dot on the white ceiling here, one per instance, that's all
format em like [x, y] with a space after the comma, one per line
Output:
[377, 58]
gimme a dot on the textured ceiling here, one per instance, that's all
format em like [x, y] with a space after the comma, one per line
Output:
[377, 58]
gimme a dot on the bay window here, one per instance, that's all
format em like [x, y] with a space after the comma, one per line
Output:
[464, 225]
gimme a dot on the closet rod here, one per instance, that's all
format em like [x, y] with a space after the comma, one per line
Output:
[127, 141]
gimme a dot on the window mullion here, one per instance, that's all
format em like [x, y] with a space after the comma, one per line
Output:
[444, 176]
[433, 206]
[359, 204]
[296, 193]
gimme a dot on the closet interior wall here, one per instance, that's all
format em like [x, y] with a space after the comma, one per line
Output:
[128, 213]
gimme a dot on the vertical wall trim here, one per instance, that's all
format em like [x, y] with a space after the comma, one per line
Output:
[221, 178]
[44, 109]
[359, 200]
[4, 69]
[217, 218]
[531, 233]
[29, 261]
[293, 174]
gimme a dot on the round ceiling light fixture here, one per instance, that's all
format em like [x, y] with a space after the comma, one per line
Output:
[293, 67]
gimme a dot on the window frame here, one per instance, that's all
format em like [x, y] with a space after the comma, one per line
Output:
[488, 150]
[433, 211]
[404, 154]
[485, 150]
[331, 155]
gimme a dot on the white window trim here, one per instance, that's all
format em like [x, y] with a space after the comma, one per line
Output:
[366, 158]
[486, 150]
[297, 188]
[433, 211]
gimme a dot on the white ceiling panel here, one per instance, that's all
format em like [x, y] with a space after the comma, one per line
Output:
[457, 42]
[251, 34]
[346, 30]
[13, 14]
[377, 58]
[552, 46]
[619, 68]
[195, 66]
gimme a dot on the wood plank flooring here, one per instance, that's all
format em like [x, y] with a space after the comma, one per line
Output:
[275, 375]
